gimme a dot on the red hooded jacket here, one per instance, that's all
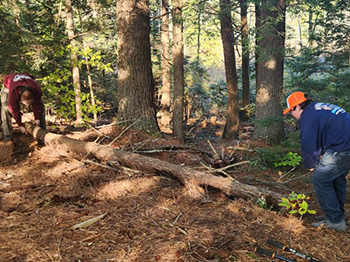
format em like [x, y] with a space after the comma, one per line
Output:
[13, 82]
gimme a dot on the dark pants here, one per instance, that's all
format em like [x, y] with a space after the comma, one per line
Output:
[329, 181]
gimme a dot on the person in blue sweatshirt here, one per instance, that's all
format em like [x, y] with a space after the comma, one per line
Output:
[325, 146]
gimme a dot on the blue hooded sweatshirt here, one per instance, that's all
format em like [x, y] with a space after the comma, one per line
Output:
[323, 127]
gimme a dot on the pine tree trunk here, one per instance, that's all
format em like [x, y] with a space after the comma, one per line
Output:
[269, 124]
[92, 95]
[198, 36]
[228, 42]
[178, 57]
[74, 58]
[245, 54]
[135, 80]
[257, 40]
[165, 116]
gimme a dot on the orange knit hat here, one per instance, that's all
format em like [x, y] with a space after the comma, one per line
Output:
[293, 100]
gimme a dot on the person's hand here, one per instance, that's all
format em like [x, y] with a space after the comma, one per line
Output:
[311, 169]
[23, 130]
[37, 122]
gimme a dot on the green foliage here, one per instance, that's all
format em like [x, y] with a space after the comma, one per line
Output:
[261, 202]
[293, 141]
[218, 95]
[200, 22]
[321, 66]
[59, 94]
[268, 121]
[248, 110]
[57, 86]
[13, 38]
[271, 155]
[94, 59]
[290, 159]
[257, 163]
[196, 89]
[88, 108]
[296, 204]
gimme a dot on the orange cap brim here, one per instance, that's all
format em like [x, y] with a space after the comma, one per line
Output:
[287, 111]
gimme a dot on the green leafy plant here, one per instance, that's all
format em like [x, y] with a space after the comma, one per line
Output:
[290, 159]
[296, 204]
[261, 202]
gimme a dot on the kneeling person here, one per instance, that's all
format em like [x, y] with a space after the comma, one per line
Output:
[20, 88]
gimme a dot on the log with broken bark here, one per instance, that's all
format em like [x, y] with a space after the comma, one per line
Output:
[190, 178]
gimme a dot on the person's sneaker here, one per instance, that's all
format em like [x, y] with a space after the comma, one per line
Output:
[341, 226]
[320, 217]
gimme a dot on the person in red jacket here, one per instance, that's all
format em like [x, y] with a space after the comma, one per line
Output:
[20, 88]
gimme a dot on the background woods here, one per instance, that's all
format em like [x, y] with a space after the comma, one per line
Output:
[166, 58]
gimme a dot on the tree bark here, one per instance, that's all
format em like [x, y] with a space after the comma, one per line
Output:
[199, 36]
[135, 79]
[165, 116]
[92, 94]
[269, 120]
[74, 58]
[245, 53]
[257, 40]
[190, 178]
[228, 42]
[178, 57]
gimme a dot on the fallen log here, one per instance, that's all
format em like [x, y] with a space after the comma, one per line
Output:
[190, 178]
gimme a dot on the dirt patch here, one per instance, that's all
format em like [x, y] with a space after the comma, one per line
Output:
[149, 218]
[6, 152]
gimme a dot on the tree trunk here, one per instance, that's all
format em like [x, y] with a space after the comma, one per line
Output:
[165, 116]
[16, 12]
[198, 36]
[135, 79]
[74, 58]
[245, 54]
[257, 40]
[178, 57]
[92, 95]
[29, 14]
[310, 28]
[228, 42]
[190, 178]
[269, 120]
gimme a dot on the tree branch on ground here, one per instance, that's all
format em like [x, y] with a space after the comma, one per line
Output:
[190, 178]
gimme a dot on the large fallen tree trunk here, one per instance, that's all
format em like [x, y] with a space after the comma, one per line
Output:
[190, 178]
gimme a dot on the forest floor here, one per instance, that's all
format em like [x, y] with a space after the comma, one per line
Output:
[44, 193]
